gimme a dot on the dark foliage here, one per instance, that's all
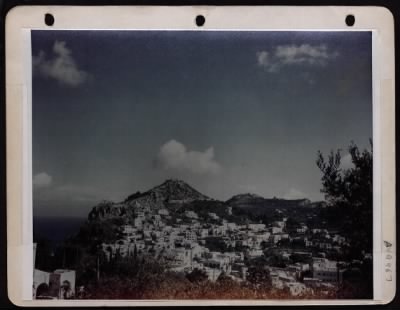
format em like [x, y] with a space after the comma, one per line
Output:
[196, 276]
[134, 196]
[216, 244]
[349, 194]
[259, 276]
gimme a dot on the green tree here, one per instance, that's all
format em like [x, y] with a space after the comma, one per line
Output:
[259, 276]
[292, 223]
[45, 255]
[348, 192]
[197, 276]
[216, 244]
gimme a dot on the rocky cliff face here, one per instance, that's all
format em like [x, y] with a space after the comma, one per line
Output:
[108, 209]
[171, 191]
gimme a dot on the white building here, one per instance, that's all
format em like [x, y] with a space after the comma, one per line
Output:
[255, 253]
[40, 283]
[256, 227]
[64, 282]
[203, 232]
[163, 212]
[190, 235]
[129, 230]
[280, 224]
[138, 222]
[191, 214]
[214, 216]
[59, 284]
[327, 271]
[276, 229]
[231, 226]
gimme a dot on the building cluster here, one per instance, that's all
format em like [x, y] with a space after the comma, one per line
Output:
[187, 242]
[59, 284]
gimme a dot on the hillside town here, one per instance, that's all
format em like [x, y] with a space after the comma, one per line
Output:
[188, 232]
[189, 242]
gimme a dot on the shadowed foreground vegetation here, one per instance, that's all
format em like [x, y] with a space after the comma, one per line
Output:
[177, 287]
[130, 278]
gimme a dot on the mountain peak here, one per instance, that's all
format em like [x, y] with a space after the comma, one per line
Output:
[177, 190]
[171, 190]
[174, 182]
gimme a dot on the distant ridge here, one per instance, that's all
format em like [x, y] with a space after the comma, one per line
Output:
[174, 194]
[256, 201]
[244, 198]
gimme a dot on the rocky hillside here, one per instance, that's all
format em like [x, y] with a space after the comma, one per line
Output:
[245, 199]
[171, 192]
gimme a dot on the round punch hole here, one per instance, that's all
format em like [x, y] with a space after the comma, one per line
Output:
[350, 20]
[200, 20]
[49, 19]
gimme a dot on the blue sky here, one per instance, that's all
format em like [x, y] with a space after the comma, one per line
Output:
[115, 112]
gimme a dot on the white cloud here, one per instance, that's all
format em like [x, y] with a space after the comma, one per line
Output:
[173, 155]
[304, 54]
[294, 194]
[61, 66]
[265, 60]
[41, 180]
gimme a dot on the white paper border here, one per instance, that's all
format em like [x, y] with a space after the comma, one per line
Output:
[18, 123]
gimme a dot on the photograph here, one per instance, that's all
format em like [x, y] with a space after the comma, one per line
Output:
[202, 165]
